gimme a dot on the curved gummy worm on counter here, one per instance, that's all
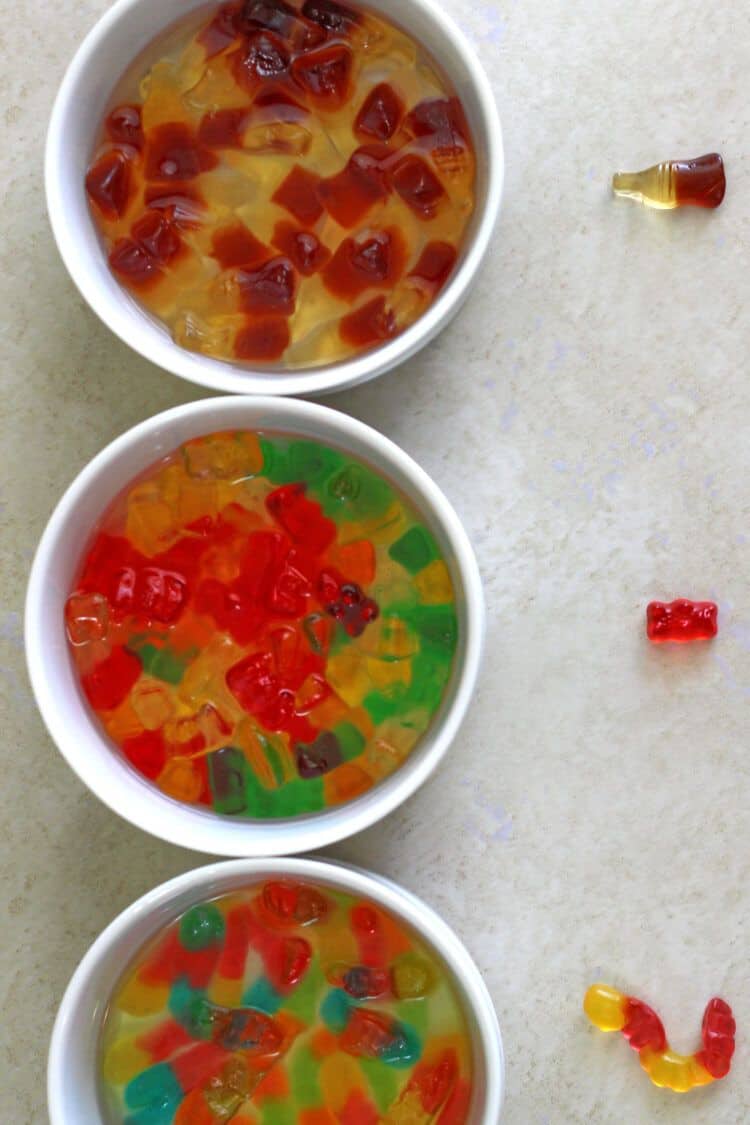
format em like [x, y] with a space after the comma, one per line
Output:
[610, 1010]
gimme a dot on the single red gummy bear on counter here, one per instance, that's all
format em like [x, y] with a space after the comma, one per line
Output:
[681, 621]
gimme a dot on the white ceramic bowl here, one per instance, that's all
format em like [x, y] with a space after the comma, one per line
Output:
[121, 34]
[74, 727]
[72, 1069]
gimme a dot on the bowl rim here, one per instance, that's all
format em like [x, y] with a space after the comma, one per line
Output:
[404, 904]
[183, 825]
[128, 321]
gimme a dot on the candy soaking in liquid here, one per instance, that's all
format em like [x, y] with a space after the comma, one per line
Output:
[263, 625]
[281, 185]
[286, 1002]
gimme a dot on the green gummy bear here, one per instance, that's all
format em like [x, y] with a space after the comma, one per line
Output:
[227, 773]
[351, 740]
[307, 462]
[200, 927]
[415, 550]
[356, 493]
[162, 663]
[156, 1093]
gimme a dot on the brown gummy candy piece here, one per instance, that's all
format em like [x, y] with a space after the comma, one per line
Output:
[124, 126]
[371, 324]
[273, 103]
[222, 31]
[319, 757]
[268, 290]
[272, 15]
[418, 186]
[173, 153]
[264, 56]
[374, 262]
[302, 247]
[435, 263]
[234, 245]
[380, 113]
[330, 15]
[298, 194]
[324, 74]
[441, 121]
[182, 203]
[157, 236]
[283, 20]
[264, 339]
[223, 128]
[108, 184]
[350, 194]
[133, 264]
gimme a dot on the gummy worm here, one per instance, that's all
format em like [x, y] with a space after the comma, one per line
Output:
[610, 1010]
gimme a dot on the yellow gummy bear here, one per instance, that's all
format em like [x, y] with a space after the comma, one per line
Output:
[412, 977]
[139, 999]
[340, 1076]
[348, 676]
[224, 992]
[123, 1061]
[434, 584]
[152, 703]
[151, 524]
[181, 780]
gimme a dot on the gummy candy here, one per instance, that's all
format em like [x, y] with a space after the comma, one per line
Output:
[263, 625]
[244, 1003]
[681, 621]
[273, 145]
[610, 1010]
[676, 183]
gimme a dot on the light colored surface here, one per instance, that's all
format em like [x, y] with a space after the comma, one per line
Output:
[588, 414]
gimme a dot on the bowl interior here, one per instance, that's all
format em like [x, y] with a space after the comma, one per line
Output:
[74, 726]
[73, 1061]
[117, 39]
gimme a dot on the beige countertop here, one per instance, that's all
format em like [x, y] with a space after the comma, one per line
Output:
[588, 413]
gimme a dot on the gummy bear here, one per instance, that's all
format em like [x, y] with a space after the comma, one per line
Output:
[681, 621]
[347, 602]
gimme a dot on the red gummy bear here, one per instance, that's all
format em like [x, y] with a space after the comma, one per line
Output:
[107, 685]
[302, 519]
[681, 621]
[347, 602]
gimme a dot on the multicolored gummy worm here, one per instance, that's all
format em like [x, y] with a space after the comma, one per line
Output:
[610, 1010]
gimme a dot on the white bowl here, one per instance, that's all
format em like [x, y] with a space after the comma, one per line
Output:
[73, 725]
[72, 1078]
[119, 36]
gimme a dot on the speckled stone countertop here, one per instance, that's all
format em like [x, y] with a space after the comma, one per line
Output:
[589, 416]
